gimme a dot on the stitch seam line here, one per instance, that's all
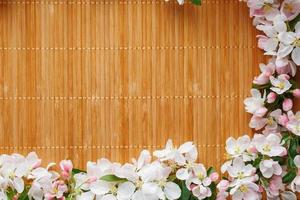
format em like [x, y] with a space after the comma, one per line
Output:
[95, 98]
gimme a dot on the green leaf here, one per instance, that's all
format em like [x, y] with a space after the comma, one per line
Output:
[77, 171]
[196, 2]
[291, 164]
[256, 162]
[113, 178]
[213, 188]
[185, 193]
[292, 150]
[289, 177]
[293, 23]
[210, 171]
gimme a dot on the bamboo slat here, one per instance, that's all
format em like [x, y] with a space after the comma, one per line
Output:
[107, 78]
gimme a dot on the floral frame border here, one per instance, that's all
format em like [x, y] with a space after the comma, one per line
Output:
[266, 165]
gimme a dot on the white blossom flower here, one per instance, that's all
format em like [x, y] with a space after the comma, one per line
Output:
[255, 104]
[290, 44]
[280, 84]
[245, 190]
[187, 152]
[295, 185]
[268, 145]
[269, 168]
[240, 170]
[199, 182]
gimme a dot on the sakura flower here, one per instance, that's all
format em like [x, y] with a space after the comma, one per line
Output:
[244, 190]
[112, 191]
[66, 167]
[269, 145]
[269, 42]
[56, 191]
[295, 185]
[290, 44]
[269, 168]
[255, 104]
[187, 152]
[290, 8]
[153, 183]
[199, 183]
[237, 147]
[258, 122]
[41, 180]
[263, 8]
[273, 190]
[222, 187]
[280, 84]
[267, 71]
[270, 122]
[293, 124]
[240, 170]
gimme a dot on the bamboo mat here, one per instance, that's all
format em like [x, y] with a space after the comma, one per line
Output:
[90, 79]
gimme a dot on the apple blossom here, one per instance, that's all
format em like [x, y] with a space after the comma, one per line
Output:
[187, 152]
[290, 8]
[290, 44]
[268, 145]
[269, 168]
[280, 84]
[255, 104]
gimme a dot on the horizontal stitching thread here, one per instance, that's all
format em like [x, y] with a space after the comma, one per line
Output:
[123, 97]
[126, 48]
[110, 2]
[104, 147]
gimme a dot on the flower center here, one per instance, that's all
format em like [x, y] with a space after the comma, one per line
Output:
[200, 176]
[237, 149]
[267, 148]
[114, 189]
[243, 188]
[289, 7]
[281, 85]
[139, 184]
[297, 43]
[241, 175]
[267, 7]
[162, 183]
[270, 121]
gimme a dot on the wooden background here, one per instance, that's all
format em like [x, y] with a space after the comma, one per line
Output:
[107, 78]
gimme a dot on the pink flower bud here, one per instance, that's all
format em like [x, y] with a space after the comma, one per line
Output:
[223, 185]
[287, 104]
[261, 189]
[271, 97]
[214, 176]
[284, 153]
[66, 165]
[296, 93]
[283, 120]
[252, 149]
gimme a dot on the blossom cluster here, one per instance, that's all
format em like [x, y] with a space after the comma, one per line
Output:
[255, 166]
[269, 163]
[172, 175]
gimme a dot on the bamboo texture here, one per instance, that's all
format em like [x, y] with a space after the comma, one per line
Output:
[107, 78]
